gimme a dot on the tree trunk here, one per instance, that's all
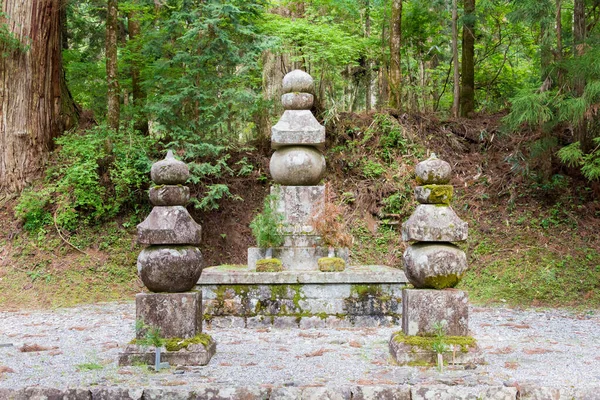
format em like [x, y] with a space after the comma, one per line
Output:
[114, 104]
[368, 77]
[467, 92]
[455, 102]
[559, 46]
[139, 96]
[395, 38]
[579, 33]
[35, 104]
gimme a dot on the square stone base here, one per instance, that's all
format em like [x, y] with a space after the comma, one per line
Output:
[195, 354]
[177, 315]
[406, 354]
[296, 258]
[423, 308]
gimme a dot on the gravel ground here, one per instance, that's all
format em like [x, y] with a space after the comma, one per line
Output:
[80, 346]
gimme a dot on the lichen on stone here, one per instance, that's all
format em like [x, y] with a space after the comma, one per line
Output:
[176, 344]
[426, 342]
[331, 264]
[442, 281]
[269, 265]
[440, 194]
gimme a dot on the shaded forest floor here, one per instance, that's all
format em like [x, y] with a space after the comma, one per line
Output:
[533, 237]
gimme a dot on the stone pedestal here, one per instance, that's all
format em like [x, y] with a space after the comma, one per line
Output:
[177, 315]
[459, 351]
[299, 204]
[295, 258]
[423, 308]
[192, 355]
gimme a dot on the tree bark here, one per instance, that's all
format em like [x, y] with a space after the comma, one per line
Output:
[139, 95]
[455, 102]
[579, 34]
[467, 92]
[35, 104]
[395, 39]
[114, 103]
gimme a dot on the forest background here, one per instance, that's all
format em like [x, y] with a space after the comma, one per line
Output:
[95, 91]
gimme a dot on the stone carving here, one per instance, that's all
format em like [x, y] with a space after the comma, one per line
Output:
[433, 262]
[171, 263]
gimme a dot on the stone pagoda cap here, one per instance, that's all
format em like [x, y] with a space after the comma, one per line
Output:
[169, 171]
[298, 81]
[433, 171]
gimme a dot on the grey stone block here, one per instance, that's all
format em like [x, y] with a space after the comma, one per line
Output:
[462, 393]
[169, 225]
[45, 393]
[404, 354]
[297, 101]
[433, 171]
[434, 223]
[434, 265]
[193, 355]
[302, 240]
[226, 322]
[286, 393]
[422, 308]
[169, 195]
[285, 322]
[434, 194]
[169, 171]
[177, 315]
[326, 393]
[298, 81]
[168, 394]
[295, 258]
[381, 393]
[112, 393]
[297, 127]
[261, 321]
[171, 269]
[299, 205]
[297, 166]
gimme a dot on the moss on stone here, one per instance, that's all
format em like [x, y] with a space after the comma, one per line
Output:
[176, 344]
[331, 264]
[269, 265]
[363, 291]
[442, 281]
[440, 194]
[426, 342]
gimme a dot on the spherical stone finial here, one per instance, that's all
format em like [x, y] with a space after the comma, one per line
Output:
[169, 171]
[298, 81]
[433, 171]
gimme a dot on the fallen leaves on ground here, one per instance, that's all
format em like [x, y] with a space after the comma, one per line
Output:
[536, 350]
[5, 369]
[28, 348]
[311, 335]
[517, 326]
[354, 343]
[511, 365]
[503, 350]
[316, 353]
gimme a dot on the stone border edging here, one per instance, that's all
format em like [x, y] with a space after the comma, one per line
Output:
[214, 392]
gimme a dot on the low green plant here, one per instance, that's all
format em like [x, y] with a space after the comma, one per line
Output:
[266, 226]
[91, 366]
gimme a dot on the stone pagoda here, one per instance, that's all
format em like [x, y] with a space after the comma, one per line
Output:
[433, 263]
[297, 167]
[170, 267]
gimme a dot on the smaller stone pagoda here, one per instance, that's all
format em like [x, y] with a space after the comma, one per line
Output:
[433, 263]
[170, 267]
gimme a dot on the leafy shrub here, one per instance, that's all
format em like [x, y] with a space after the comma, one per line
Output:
[95, 175]
[266, 225]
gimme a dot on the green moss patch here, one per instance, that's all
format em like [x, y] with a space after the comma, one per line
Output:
[440, 194]
[442, 281]
[331, 264]
[269, 265]
[176, 344]
[426, 342]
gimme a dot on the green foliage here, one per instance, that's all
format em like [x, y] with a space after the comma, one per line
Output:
[96, 175]
[266, 226]
[372, 169]
[439, 344]
[211, 198]
[89, 366]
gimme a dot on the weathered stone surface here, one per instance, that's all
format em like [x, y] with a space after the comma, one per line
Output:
[297, 127]
[441, 392]
[112, 393]
[392, 279]
[44, 393]
[169, 394]
[169, 195]
[170, 269]
[298, 81]
[423, 308]
[177, 315]
[299, 205]
[302, 240]
[269, 265]
[433, 171]
[297, 101]
[405, 354]
[326, 393]
[381, 393]
[434, 223]
[169, 225]
[434, 265]
[169, 171]
[295, 258]
[193, 355]
[297, 166]
[434, 194]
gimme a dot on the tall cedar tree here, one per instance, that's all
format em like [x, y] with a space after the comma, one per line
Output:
[114, 104]
[35, 104]
[395, 39]
[467, 91]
